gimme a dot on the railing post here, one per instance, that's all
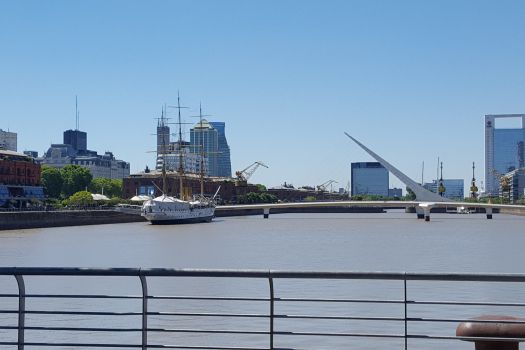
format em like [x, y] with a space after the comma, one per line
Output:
[144, 311]
[21, 310]
[270, 280]
[406, 312]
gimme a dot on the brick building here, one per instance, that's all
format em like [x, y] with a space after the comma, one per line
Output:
[151, 183]
[19, 179]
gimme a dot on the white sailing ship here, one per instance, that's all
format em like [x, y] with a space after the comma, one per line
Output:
[170, 210]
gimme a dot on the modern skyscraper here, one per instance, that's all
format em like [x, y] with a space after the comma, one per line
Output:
[205, 138]
[369, 178]
[163, 136]
[76, 138]
[504, 150]
[223, 158]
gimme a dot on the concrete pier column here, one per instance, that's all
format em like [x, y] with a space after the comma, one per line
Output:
[488, 211]
[427, 214]
[266, 213]
[425, 208]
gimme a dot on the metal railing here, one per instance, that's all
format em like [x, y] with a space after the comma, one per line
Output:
[404, 314]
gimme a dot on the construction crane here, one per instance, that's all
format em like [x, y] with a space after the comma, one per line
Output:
[504, 183]
[244, 175]
[322, 187]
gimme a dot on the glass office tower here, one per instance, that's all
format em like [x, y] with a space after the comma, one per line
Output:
[369, 178]
[224, 165]
[504, 150]
[205, 135]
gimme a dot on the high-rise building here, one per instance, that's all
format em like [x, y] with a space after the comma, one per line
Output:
[223, 158]
[516, 185]
[163, 137]
[76, 138]
[205, 138]
[454, 188]
[74, 151]
[8, 140]
[369, 178]
[395, 192]
[504, 150]
[191, 162]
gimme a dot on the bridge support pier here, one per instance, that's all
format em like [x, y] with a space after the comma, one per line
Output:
[425, 208]
[266, 213]
[427, 214]
[488, 211]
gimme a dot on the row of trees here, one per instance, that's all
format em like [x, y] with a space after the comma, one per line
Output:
[64, 182]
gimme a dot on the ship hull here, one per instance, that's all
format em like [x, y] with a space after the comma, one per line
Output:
[169, 210]
[181, 221]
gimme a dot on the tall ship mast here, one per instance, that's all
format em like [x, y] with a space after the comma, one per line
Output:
[180, 169]
[166, 209]
[202, 154]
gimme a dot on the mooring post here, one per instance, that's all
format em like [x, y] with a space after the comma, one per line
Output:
[266, 213]
[488, 211]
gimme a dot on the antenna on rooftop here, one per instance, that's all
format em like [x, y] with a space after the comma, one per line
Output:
[77, 119]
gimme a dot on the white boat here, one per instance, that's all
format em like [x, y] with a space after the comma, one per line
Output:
[170, 210]
[166, 209]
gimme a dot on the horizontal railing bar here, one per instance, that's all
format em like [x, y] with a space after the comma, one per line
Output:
[82, 296]
[355, 318]
[151, 313]
[416, 319]
[202, 347]
[466, 303]
[207, 331]
[152, 297]
[74, 329]
[150, 346]
[165, 313]
[158, 272]
[363, 335]
[81, 313]
[366, 301]
[167, 297]
[446, 337]
[77, 345]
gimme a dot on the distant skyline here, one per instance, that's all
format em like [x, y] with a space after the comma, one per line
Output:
[412, 80]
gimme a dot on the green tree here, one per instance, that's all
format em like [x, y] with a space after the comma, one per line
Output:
[81, 198]
[76, 178]
[410, 196]
[52, 181]
[109, 187]
[254, 197]
[261, 187]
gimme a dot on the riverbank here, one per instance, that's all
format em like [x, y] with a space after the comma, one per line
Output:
[40, 219]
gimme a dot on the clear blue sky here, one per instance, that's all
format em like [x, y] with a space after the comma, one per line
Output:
[410, 79]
